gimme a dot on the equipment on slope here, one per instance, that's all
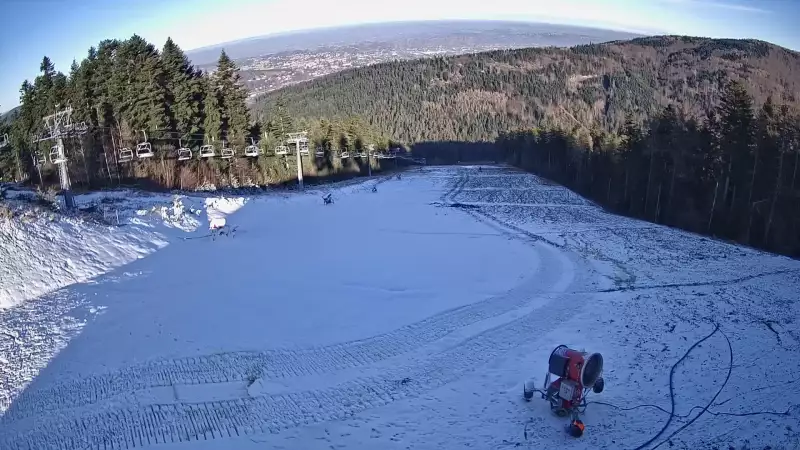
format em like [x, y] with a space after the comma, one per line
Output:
[577, 372]
[328, 199]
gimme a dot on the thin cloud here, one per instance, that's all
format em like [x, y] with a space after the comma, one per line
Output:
[722, 5]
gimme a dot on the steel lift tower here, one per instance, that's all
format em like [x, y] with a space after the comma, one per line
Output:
[300, 140]
[57, 127]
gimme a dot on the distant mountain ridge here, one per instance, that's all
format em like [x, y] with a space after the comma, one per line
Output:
[504, 33]
[475, 97]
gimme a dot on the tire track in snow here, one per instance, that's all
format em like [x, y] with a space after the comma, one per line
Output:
[274, 364]
[160, 423]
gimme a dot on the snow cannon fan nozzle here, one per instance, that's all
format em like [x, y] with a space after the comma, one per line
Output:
[592, 370]
[577, 372]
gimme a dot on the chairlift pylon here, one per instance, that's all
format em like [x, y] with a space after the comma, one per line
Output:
[57, 154]
[144, 149]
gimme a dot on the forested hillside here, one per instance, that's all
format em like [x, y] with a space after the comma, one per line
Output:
[691, 132]
[475, 97]
[697, 133]
[129, 93]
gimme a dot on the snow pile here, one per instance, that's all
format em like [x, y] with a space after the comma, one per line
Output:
[219, 208]
[43, 254]
[177, 215]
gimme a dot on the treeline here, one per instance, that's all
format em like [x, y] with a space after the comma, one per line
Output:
[129, 92]
[733, 174]
[475, 97]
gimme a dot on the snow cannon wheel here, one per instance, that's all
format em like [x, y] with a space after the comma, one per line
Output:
[592, 369]
[528, 389]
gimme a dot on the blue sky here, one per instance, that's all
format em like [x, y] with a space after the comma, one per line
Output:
[64, 30]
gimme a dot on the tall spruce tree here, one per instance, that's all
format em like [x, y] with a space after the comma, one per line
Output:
[233, 98]
[185, 92]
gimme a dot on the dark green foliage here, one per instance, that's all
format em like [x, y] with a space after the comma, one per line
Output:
[475, 97]
[185, 92]
[126, 91]
[732, 175]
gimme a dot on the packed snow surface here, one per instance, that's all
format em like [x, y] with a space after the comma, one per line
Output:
[406, 317]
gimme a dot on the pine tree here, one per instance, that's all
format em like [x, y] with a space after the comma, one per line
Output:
[185, 91]
[736, 134]
[233, 98]
[212, 123]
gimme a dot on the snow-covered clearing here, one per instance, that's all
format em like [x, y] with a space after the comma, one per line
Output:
[404, 318]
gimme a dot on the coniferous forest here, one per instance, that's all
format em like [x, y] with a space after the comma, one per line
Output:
[125, 93]
[701, 134]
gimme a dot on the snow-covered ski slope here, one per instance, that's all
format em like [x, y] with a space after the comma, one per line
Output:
[409, 317]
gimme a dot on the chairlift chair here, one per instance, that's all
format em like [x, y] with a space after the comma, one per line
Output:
[207, 151]
[184, 153]
[57, 155]
[281, 150]
[39, 159]
[144, 149]
[252, 149]
[125, 155]
[345, 154]
[320, 152]
[226, 152]
[303, 147]
[3, 140]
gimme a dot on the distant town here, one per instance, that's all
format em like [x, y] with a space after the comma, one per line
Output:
[271, 72]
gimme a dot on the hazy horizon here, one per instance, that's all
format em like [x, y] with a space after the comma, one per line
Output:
[197, 24]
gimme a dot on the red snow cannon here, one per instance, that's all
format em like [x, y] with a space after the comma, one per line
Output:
[576, 373]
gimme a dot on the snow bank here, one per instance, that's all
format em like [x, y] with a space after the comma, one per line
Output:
[44, 255]
[219, 208]
[42, 251]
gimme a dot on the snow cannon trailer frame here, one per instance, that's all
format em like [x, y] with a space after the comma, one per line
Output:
[577, 373]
